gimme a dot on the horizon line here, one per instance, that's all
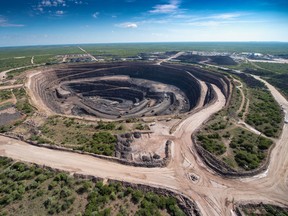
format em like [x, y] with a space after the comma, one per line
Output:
[99, 43]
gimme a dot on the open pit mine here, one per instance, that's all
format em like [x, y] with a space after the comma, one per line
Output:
[125, 90]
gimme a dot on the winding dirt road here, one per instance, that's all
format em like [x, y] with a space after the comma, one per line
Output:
[3, 73]
[214, 194]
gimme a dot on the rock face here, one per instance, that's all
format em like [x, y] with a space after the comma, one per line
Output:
[124, 90]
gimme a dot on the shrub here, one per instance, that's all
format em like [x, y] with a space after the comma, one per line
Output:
[106, 126]
[136, 196]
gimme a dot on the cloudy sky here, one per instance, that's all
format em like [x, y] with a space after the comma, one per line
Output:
[33, 22]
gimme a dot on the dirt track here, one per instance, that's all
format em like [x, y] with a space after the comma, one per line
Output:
[3, 73]
[214, 194]
[11, 87]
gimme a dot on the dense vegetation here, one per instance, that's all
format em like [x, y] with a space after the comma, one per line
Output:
[91, 137]
[273, 67]
[264, 112]
[29, 51]
[249, 149]
[236, 146]
[264, 210]
[31, 190]
[250, 81]
[23, 104]
[212, 143]
[8, 63]
[275, 74]
[5, 95]
[101, 143]
[132, 49]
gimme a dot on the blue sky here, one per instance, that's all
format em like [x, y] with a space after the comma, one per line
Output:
[33, 22]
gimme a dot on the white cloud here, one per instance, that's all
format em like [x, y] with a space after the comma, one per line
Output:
[216, 19]
[46, 3]
[127, 25]
[226, 16]
[42, 5]
[52, 3]
[95, 15]
[59, 13]
[78, 2]
[172, 7]
[5, 23]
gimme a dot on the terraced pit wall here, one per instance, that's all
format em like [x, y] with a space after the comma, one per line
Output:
[45, 83]
[157, 73]
[220, 80]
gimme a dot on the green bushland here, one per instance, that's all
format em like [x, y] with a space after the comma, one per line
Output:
[40, 139]
[264, 210]
[23, 104]
[15, 73]
[101, 143]
[140, 126]
[106, 126]
[146, 203]
[132, 49]
[237, 147]
[248, 150]
[235, 103]
[29, 51]
[273, 67]
[264, 113]
[8, 63]
[276, 74]
[41, 59]
[91, 137]
[210, 138]
[30, 190]
[212, 143]
[5, 95]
